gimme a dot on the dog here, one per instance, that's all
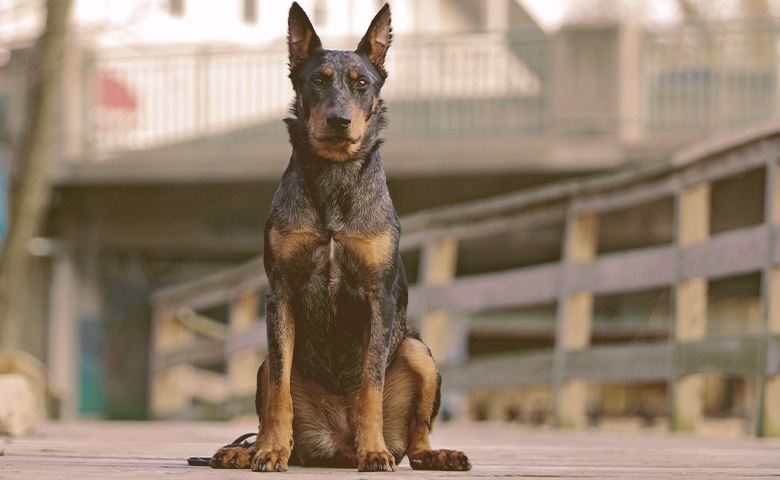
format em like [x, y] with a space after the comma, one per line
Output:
[345, 384]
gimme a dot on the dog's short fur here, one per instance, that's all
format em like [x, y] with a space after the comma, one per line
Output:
[345, 383]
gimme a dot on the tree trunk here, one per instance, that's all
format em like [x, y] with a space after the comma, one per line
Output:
[33, 161]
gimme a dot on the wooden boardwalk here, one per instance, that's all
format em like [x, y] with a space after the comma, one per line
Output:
[101, 450]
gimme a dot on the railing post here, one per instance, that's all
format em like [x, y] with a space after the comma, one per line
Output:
[693, 227]
[169, 390]
[438, 264]
[445, 335]
[63, 338]
[768, 424]
[574, 322]
[242, 366]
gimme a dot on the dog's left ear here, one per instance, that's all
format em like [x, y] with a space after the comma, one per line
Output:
[302, 40]
[377, 39]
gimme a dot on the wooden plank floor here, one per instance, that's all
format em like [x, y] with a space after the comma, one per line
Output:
[102, 450]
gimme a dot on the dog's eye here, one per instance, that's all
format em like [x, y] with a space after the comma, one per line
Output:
[318, 81]
[362, 83]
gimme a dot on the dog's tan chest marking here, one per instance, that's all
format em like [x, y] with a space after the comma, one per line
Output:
[286, 244]
[373, 251]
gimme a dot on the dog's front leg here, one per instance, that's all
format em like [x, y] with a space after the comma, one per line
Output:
[372, 453]
[275, 439]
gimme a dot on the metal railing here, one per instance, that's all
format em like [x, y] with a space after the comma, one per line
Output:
[441, 86]
[692, 79]
[711, 76]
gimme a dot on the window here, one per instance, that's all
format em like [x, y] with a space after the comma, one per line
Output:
[250, 11]
[176, 8]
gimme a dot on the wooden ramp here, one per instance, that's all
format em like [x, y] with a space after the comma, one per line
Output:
[101, 450]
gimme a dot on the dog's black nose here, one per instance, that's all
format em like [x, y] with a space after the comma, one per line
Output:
[339, 119]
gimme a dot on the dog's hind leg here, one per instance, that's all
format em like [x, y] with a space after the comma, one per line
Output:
[411, 403]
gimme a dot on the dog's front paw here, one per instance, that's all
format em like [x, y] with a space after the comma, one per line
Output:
[375, 460]
[272, 458]
[440, 460]
[232, 457]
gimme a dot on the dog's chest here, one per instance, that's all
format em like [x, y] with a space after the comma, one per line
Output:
[330, 280]
[317, 255]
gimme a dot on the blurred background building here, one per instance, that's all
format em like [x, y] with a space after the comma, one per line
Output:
[172, 142]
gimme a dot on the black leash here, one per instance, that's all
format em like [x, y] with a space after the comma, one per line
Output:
[239, 442]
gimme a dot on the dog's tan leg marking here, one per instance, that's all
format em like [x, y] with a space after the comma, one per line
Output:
[414, 356]
[275, 439]
[372, 453]
[402, 389]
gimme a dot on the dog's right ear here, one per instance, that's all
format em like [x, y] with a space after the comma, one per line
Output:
[302, 40]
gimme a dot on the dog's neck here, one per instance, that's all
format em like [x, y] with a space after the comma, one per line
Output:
[337, 189]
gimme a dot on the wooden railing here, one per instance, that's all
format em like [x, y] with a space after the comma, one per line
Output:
[187, 347]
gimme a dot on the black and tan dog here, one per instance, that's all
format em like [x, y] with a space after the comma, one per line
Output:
[345, 384]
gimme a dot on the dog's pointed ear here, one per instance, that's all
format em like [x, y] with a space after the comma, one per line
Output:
[377, 39]
[302, 40]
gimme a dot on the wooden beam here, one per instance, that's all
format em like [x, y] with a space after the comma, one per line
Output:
[582, 242]
[499, 371]
[637, 363]
[694, 215]
[439, 260]
[771, 421]
[769, 413]
[168, 389]
[725, 141]
[574, 322]
[201, 352]
[521, 287]
[727, 254]
[691, 315]
[216, 289]
[628, 196]
[693, 227]
[730, 355]
[525, 200]
[486, 226]
[242, 365]
[622, 272]
[253, 338]
[579, 321]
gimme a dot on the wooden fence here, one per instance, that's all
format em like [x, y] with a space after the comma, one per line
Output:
[187, 345]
